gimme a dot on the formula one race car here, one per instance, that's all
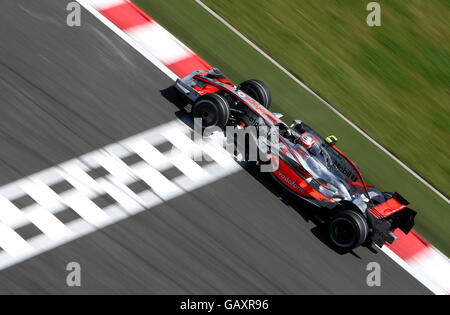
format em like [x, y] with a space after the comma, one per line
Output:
[310, 166]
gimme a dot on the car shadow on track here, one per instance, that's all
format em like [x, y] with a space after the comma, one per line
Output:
[309, 212]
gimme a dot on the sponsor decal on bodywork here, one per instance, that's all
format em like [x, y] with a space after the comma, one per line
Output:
[290, 182]
[345, 171]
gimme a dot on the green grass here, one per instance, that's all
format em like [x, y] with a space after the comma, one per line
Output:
[393, 81]
[377, 94]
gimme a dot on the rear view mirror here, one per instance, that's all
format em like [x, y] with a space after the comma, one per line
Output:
[278, 115]
[297, 125]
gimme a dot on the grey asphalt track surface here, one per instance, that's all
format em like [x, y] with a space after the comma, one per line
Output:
[67, 91]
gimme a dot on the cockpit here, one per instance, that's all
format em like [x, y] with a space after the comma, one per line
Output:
[321, 159]
[303, 140]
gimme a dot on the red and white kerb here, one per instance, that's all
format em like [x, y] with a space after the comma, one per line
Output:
[151, 36]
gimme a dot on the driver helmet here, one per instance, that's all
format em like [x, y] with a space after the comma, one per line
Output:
[307, 141]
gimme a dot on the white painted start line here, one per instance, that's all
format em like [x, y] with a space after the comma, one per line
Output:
[82, 188]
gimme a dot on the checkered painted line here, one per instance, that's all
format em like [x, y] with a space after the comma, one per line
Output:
[80, 196]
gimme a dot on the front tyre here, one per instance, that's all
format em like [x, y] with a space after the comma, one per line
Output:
[258, 91]
[212, 109]
[348, 229]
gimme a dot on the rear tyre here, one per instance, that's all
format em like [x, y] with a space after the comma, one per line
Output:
[258, 91]
[348, 229]
[213, 109]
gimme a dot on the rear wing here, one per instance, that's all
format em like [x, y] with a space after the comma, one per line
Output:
[396, 210]
[393, 205]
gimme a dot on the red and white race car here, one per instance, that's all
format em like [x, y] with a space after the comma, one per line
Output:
[310, 166]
